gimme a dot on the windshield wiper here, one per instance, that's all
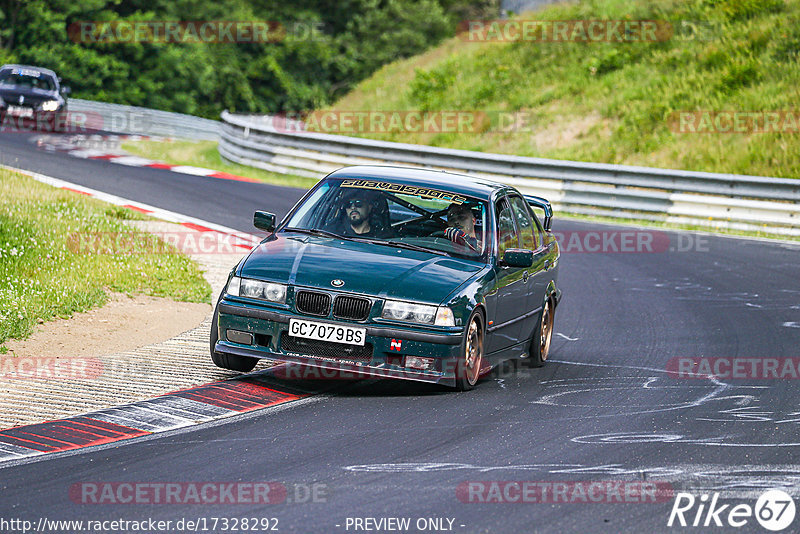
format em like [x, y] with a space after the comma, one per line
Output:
[398, 244]
[409, 246]
[315, 231]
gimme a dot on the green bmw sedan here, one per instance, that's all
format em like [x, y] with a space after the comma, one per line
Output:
[396, 272]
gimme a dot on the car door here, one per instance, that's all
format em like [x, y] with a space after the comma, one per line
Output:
[511, 292]
[536, 279]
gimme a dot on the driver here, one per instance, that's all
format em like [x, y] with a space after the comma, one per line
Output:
[461, 226]
[358, 206]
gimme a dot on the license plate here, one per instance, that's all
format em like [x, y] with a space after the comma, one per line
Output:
[16, 111]
[335, 333]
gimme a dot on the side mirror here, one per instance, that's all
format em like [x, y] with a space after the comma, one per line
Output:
[264, 221]
[517, 257]
[65, 90]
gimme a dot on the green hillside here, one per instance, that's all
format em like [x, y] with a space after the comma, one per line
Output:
[616, 102]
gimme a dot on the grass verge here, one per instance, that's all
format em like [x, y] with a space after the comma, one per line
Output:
[205, 154]
[42, 277]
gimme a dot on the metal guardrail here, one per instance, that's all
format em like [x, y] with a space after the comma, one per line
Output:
[141, 121]
[680, 197]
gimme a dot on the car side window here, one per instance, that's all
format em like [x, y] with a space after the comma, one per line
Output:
[524, 223]
[538, 230]
[507, 236]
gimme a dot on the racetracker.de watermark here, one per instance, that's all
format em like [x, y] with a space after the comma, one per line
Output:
[735, 122]
[563, 492]
[185, 493]
[391, 121]
[585, 31]
[349, 122]
[76, 122]
[628, 242]
[194, 31]
[732, 367]
[129, 243]
[50, 368]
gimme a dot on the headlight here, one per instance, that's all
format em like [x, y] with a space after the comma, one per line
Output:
[417, 313]
[256, 289]
[50, 105]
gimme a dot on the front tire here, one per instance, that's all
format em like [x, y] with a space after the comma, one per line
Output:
[468, 370]
[231, 362]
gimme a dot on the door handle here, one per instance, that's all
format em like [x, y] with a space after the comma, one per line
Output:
[546, 265]
[525, 276]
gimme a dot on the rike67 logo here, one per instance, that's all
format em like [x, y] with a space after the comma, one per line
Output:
[774, 510]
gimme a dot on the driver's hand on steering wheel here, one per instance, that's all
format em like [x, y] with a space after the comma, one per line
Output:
[460, 237]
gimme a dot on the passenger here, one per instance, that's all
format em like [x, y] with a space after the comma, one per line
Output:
[461, 226]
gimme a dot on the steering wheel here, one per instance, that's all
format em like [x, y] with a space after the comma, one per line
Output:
[471, 247]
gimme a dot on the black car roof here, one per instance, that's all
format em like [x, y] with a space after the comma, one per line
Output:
[449, 181]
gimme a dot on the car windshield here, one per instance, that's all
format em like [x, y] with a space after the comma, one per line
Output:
[415, 216]
[27, 78]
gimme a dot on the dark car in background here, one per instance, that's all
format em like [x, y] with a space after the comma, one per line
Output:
[32, 98]
[450, 276]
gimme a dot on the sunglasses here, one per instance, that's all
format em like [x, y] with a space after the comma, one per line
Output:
[356, 203]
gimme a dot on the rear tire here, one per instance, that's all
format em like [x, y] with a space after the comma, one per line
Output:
[468, 369]
[243, 364]
[542, 336]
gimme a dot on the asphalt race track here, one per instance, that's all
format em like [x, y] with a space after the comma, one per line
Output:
[214, 200]
[604, 409]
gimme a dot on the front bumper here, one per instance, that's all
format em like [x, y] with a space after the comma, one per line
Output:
[383, 354]
[41, 121]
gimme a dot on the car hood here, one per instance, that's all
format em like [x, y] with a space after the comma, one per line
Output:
[365, 268]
